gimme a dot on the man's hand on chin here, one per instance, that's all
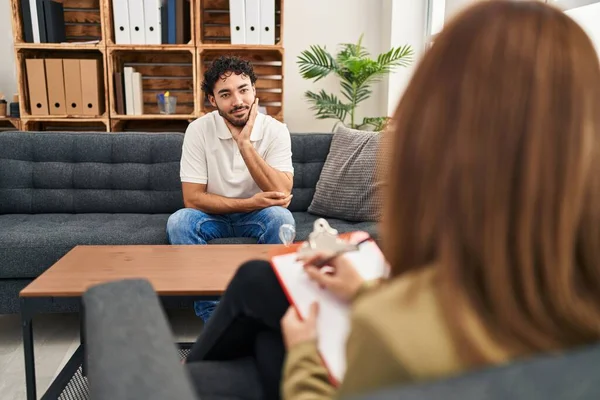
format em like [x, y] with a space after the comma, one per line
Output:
[243, 138]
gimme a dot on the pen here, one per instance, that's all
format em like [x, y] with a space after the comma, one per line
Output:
[326, 261]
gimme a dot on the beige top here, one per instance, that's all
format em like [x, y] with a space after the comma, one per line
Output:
[398, 335]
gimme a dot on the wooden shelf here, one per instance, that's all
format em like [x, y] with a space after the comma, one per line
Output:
[151, 47]
[59, 46]
[240, 47]
[63, 118]
[177, 68]
[153, 117]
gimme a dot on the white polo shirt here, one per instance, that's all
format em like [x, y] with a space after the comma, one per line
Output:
[210, 155]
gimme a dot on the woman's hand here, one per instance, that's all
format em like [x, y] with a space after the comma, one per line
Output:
[338, 276]
[296, 330]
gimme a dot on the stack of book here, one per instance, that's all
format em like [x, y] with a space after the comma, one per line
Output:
[129, 96]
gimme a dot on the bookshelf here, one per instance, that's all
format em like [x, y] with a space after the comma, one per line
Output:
[178, 68]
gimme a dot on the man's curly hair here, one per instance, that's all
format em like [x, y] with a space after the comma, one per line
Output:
[226, 65]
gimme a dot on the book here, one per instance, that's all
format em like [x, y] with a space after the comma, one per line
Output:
[119, 94]
[333, 321]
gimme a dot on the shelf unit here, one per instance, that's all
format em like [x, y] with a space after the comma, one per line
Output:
[178, 68]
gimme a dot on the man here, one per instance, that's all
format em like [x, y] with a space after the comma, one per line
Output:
[236, 167]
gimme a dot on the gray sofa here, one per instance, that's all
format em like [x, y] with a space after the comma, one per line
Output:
[148, 367]
[59, 190]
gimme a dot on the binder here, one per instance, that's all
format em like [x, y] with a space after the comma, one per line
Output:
[164, 17]
[237, 21]
[27, 25]
[90, 87]
[55, 82]
[36, 82]
[119, 94]
[252, 21]
[138, 99]
[128, 81]
[72, 73]
[54, 17]
[120, 10]
[267, 21]
[179, 24]
[136, 22]
[36, 13]
[172, 21]
[152, 21]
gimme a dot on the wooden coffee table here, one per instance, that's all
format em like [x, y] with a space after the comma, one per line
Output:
[201, 272]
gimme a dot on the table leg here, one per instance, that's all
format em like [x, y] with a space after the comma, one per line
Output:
[82, 338]
[27, 324]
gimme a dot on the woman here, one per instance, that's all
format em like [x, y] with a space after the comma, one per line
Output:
[491, 223]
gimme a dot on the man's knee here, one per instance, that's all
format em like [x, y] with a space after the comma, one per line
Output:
[277, 216]
[180, 221]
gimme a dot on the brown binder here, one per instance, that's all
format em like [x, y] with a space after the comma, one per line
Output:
[36, 81]
[56, 86]
[90, 87]
[72, 86]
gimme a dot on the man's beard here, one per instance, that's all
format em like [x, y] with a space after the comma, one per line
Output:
[238, 122]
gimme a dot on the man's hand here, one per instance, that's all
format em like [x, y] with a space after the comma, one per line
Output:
[269, 199]
[243, 138]
[295, 330]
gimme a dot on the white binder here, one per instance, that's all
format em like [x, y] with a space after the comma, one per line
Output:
[136, 22]
[35, 24]
[237, 21]
[267, 21]
[252, 21]
[138, 95]
[152, 21]
[128, 82]
[121, 21]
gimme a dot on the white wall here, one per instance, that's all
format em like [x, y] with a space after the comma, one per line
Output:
[8, 78]
[327, 23]
[588, 18]
[406, 19]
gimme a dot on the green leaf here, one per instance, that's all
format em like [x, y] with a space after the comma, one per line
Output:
[327, 105]
[316, 63]
[351, 50]
[377, 123]
[395, 57]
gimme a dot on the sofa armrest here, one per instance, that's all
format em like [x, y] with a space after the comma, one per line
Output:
[129, 346]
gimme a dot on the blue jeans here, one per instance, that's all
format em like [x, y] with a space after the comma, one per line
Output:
[191, 226]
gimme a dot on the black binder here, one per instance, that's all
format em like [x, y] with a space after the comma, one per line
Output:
[54, 17]
[27, 25]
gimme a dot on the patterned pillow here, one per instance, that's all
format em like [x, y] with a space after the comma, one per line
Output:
[348, 187]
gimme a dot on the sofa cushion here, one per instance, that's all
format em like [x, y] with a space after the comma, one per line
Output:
[29, 244]
[309, 152]
[47, 172]
[348, 187]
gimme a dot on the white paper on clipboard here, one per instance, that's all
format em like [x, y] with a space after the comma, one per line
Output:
[333, 321]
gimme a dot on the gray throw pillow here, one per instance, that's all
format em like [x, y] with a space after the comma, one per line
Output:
[348, 187]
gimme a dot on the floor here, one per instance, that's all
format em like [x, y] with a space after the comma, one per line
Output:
[56, 337]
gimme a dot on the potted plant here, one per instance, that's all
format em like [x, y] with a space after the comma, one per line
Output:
[357, 72]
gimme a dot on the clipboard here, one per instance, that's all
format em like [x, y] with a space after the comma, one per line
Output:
[333, 321]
